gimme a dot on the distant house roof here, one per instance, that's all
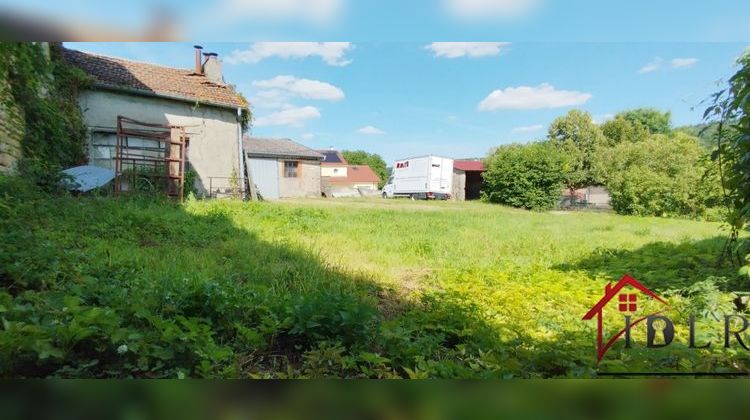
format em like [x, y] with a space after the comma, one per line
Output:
[332, 157]
[356, 174]
[469, 165]
[278, 148]
[151, 79]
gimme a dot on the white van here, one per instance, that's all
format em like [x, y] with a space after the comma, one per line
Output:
[421, 178]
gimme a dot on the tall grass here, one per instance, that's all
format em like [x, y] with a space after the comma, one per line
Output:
[96, 287]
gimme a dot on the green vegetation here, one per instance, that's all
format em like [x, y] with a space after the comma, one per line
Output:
[46, 90]
[525, 176]
[655, 121]
[577, 137]
[662, 175]
[649, 169]
[730, 112]
[99, 287]
[373, 160]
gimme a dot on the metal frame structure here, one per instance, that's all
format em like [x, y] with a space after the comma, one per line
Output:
[161, 148]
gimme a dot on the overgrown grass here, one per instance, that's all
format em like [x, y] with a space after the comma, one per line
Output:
[97, 287]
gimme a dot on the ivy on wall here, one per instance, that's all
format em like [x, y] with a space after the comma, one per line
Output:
[46, 89]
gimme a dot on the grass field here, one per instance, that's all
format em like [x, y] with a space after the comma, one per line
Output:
[97, 287]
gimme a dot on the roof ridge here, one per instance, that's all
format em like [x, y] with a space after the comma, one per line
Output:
[111, 57]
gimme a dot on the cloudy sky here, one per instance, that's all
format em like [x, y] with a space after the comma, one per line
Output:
[399, 93]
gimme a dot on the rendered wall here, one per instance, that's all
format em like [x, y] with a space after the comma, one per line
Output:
[213, 131]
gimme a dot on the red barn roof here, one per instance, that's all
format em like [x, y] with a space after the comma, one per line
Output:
[469, 165]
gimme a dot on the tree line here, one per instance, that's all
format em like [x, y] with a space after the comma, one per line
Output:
[649, 168]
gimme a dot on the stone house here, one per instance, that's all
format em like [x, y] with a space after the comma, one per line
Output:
[198, 99]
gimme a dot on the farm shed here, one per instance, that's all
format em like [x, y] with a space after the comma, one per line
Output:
[198, 99]
[283, 168]
[467, 179]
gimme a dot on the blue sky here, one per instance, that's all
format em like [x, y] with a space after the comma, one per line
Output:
[386, 88]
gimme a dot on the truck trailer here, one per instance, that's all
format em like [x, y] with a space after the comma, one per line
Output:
[421, 178]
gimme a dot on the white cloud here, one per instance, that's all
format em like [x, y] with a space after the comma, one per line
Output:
[466, 49]
[332, 53]
[489, 9]
[680, 63]
[295, 116]
[676, 63]
[529, 129]
[308, 136]
[527, 98]
[653, 66]
[281, 86]
[370, 130]
[313, 11]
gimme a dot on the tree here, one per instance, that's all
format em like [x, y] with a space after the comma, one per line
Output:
[374, 161]
[578, 137]
[655, 121]
[731, 109]
[525, 176]
[660, 176]
[620, 130]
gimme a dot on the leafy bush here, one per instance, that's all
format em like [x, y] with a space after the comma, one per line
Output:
[525, 176]
[660, 176]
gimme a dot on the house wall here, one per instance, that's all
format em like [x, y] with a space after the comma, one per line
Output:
[213, 131]
[334, 171]
[306, 184]
[12, 129]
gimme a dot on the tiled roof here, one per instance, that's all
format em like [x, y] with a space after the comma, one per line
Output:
[469, 165]
[356, 174]
[332, 157]
[163, 81]
[283, 148]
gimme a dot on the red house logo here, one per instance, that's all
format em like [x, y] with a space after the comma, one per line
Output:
[626, 303]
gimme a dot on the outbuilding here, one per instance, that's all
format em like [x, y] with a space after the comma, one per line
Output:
[467, 179]
[283, 168]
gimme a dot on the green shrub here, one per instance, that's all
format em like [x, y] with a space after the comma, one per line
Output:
[525, 176]
[660, 176]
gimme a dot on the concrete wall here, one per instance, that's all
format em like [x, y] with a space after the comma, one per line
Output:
[213, 131]
[12, 129]
[306, 184]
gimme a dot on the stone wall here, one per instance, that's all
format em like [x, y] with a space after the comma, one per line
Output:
[11, 130]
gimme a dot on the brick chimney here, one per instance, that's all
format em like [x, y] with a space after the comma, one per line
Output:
[212, 68]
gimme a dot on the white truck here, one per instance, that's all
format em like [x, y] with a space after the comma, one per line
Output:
[421, 178]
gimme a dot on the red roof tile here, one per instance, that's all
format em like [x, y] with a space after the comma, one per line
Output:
[150, 78]
[356, 174]
[469, 165]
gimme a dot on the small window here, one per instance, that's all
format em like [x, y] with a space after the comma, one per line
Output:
[291, 169]
[628, 303]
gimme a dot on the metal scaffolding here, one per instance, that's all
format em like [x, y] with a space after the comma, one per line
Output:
[150, 157]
